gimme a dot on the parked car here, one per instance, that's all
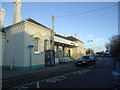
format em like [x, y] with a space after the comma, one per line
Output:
[86, 60]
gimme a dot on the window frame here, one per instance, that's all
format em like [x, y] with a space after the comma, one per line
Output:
[37, 44]
[46, 44]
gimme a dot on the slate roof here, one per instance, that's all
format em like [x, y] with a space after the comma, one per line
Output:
[71, 38]
[35, 22]
[58, 35]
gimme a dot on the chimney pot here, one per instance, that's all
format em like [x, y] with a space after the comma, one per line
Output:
[17, 11]
[2, 15]
[64, 35]
[76, 35]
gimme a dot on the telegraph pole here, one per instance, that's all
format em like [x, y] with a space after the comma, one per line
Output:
[90, 45]
[52, 34]
[53, 23]
[52, 62]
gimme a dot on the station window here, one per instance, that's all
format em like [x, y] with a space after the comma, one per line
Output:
[36, 44]
[46, 44]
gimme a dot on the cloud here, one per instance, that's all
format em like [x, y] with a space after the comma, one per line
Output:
[96, 48]
[99, 48]
[99, 39]
[90, 36]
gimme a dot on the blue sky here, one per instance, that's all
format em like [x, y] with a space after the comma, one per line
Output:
[98, 25]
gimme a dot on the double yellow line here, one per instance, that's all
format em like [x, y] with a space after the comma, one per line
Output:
[34, 74]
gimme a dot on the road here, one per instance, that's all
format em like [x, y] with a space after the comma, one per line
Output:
[93, 76]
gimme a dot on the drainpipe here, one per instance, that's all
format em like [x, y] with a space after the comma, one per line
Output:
[13, 59]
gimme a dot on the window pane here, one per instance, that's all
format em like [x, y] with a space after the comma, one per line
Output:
[36, 44]
[45, 45]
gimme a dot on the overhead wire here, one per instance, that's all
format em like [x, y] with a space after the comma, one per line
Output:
[86, 12]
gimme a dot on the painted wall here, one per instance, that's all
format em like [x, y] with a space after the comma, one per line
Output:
[3, 47]
[18, 37]
[64, 41]
[0, 49]
[77, 52]
[15, 46]
[22, 34]
[32, 31]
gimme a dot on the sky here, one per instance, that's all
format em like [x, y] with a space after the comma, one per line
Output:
[96, 21]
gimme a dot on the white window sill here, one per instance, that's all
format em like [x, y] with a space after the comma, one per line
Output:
[37, 53]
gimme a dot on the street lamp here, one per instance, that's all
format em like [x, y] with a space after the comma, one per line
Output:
[90, 41]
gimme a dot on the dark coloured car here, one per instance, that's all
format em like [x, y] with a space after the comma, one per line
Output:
[86, 60]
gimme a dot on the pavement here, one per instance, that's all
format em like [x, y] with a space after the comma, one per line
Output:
[7, 73]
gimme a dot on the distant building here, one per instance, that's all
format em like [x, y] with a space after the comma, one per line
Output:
[25, 43]
[71, 46]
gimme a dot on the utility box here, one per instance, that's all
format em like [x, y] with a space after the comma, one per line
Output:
[49, 58]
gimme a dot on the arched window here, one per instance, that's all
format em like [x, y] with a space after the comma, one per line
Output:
[46, 44]
[36, 44]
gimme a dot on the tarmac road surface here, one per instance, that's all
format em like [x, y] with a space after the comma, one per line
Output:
[93, 76]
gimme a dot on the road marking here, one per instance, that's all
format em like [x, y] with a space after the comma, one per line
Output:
[57, 78]
[34, 74]
[38, 85]
[25, 87]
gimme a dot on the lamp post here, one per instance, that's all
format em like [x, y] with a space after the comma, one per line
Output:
[90, 41]
[52, 34]
[52, 62]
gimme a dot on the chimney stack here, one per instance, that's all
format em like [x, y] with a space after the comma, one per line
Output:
[65, 36]
[2, 16]
[17, 11]
[76, 35]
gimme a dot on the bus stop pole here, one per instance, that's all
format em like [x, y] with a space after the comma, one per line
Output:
[30, 57]
[30, 47]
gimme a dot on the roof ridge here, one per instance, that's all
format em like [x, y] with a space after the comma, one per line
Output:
[36, 22]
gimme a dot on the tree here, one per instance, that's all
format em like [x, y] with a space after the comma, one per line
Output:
[114, 45]
[107, 47]
[89, 51]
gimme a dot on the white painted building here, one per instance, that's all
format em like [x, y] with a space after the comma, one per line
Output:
[0, 49]
[26, 41]
[18, 37]
[2, 36]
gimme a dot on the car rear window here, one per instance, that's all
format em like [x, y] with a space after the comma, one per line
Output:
[85, 57]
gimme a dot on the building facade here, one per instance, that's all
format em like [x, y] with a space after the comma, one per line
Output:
[25, 42]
